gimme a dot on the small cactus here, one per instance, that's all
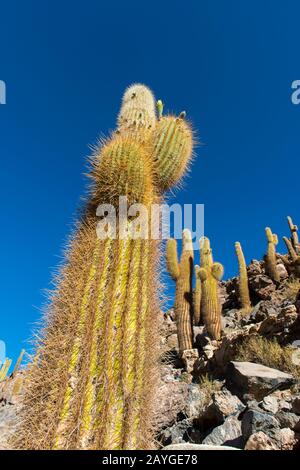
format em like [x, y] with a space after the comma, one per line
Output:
[244, 296]
[270, 257]
[210, 273]
[182, 272]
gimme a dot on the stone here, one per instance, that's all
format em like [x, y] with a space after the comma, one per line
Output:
[254, 421]
[270, 403]
[255, 380]
[282, 271]
[172, 341]
[284, 439]
[260, 441]
[195, 447]
[262, 285]
[223, 405]
[286, 419]
[296, 405]
[189, 358]
[171, 400]
[177, 433]
[228, 433]
[195, 402]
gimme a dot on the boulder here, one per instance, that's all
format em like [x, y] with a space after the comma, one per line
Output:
[228, 433]
[252, 380]
[223, 405]
[195, 447]
[284, 439]
[260, 441]
[171, 400]
[254, 421]
[189, 358]
[296, 405]
[177, 433]
[195, 402]
[270, 403]
[286, 419]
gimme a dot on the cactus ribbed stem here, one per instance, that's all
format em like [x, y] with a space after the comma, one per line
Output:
[270, 258]
[197, 297]
[294, 235]
[210, 273]
[243, 278]
[182, 274]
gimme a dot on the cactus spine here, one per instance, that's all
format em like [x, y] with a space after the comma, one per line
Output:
[243, 278]
[210, 273]
[270, 258]
[91, 383]
[182, 273]
[197, 297]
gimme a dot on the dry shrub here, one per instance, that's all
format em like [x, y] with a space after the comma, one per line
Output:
[269, 353]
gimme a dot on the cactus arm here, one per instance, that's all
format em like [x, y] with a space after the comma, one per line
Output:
[217, 271]
[294, 235]
[18, 363]
[243, 277]
[172, 150]
[172, 259]
[4, 369]
[290, 248]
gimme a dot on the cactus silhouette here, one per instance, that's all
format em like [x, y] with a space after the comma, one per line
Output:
[243, 278]
[182, 273]
[210, 273]
[91, 383]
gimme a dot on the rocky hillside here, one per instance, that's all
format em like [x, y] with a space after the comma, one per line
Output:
[241, 391]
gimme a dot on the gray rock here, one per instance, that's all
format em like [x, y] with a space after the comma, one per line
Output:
[171, 400]
[195, 447]
[251, 380]
[196, 400]
[228, 433]
[223, 405]
[286, 419]
[270, 403]
[177, 433]
[254, 421]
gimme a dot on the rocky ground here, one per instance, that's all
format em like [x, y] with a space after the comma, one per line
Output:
[242, 392]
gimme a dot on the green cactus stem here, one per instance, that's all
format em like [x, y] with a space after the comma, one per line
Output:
[270, 257]
[182, 272]
[243, 278]
[210, 274]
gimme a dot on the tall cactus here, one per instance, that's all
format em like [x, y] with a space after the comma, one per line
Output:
[210, 273]
[294, 235]
[182, 273]
[243, 278]
[270, 257]
[91, 385]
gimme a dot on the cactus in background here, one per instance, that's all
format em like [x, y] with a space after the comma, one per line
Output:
[92, 381]
[292, 263]
[244, 296]
[197, 297]
[4, 369]
[270, 257]
[210, 273]
[294, 235]
[182, 273]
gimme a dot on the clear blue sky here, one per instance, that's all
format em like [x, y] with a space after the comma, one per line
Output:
[228, 63]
